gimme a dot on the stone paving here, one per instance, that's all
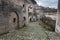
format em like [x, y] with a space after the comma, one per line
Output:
[33, 31]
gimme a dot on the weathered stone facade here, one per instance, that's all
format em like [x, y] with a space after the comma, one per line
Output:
[28, 4]
[11, 16]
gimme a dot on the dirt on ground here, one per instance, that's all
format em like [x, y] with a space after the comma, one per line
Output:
[34, 31]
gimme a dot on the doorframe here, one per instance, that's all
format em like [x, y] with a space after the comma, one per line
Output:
[17, 19]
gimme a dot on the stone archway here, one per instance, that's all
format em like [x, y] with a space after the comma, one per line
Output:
[13, 21]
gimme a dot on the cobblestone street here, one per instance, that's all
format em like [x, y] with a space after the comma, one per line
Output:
[33, 31]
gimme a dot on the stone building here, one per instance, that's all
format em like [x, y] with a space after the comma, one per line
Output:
[38, 11]
[11, 15]
[29, 8]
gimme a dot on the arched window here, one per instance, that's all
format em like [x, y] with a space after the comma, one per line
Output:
[24, 18]
[14, 20]
[23, 5]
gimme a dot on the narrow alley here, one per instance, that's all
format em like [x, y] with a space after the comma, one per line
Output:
[33, 31]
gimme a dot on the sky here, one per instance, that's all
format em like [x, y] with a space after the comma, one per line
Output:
[48, 3]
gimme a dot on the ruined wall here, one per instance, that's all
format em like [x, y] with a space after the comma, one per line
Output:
[6, 7]
[3, 23]
[23, 13]
[13, 21]
[17, 2]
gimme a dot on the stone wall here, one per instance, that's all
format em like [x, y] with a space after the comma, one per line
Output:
[3, 23]
[6, 7]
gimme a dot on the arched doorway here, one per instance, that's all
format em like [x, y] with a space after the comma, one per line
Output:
[13, 21]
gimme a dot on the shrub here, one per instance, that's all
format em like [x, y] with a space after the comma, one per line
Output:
[48, 21]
